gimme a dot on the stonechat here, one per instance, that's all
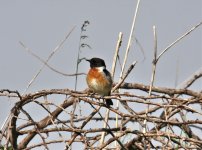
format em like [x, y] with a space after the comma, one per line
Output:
[99, 79]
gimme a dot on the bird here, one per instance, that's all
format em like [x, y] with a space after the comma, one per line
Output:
[99, 79]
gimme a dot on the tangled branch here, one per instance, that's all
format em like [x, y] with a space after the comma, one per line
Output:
[161, 131]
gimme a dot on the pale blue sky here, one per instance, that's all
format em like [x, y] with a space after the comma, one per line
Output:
[41, 25]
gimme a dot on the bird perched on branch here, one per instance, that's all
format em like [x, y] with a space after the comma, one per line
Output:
[99, 79]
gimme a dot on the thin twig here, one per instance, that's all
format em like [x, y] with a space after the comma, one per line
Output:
[44, 62]
[125, 76]
[49, 57]
[154, 63]
[178, 39]
[127, 50]
[141, 48]
[118, 45]
[130, 39]
[81, 45]
[190, 80]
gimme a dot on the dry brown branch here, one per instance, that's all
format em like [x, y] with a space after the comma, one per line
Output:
[163, 90]
[118, 45]
[46, 63]
[190, 80]
[82, 132]
[49, 57]
[156, 118]
[178, 40]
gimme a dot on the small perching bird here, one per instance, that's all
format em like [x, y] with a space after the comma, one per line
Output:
[99, 79]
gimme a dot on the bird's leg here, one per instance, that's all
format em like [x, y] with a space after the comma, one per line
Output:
[90, 93]
[103, 100]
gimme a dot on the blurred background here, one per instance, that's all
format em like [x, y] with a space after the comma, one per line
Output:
[42, 25]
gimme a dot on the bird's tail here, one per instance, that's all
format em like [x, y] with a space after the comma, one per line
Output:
[109, 102]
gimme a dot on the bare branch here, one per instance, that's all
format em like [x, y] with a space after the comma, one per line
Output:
[178, 40]
[49, 57]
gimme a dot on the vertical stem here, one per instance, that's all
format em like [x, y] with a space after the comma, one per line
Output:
[118, 45]
[130, 39]
[152, 81]
[154, 61]
[77, 62]
[112, 73]
[126, 54]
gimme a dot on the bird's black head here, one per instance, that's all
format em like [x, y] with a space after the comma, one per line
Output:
[96, 62]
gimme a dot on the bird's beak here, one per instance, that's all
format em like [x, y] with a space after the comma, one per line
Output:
[87, 60]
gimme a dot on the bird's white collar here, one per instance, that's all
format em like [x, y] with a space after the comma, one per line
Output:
[100, 69]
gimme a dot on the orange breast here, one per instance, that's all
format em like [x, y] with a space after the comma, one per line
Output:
[98, 82]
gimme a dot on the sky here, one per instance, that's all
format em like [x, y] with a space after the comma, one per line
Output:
[42, 25]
